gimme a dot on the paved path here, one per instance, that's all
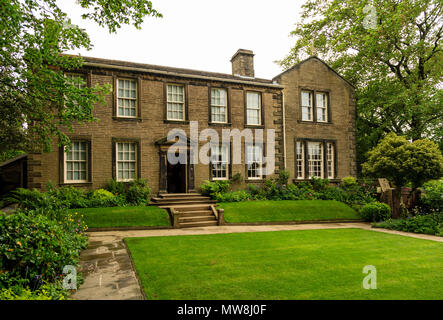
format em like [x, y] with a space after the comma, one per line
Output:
[109, 274]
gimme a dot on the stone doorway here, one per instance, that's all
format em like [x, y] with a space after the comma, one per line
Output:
[175, 178]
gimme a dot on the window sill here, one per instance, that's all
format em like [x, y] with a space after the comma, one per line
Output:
[220, 124]
[176, 121]
[314, 122]
[335, 180]
[126, 119]
[255, 180]
[80, 184]
[254, 126]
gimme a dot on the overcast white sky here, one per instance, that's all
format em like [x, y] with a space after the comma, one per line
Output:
[200, 34]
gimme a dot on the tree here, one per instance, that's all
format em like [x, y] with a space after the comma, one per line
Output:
[37, 102]
[391, 50]
[402, 162]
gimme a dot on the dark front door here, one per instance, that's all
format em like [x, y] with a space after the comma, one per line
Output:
[176, 178]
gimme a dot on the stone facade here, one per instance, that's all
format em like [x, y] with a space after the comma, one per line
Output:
[150, 127]
[316, 76]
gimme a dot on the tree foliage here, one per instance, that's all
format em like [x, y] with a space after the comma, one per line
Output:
[401, 161]
[391, 50]
[37, 102]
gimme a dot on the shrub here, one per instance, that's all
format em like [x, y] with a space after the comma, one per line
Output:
[233, 196]
[347, 182]
[47, 291]
[333, 193]
[138, 192]
[319, 184]
[212, 188]
[237, 178]
[283, 177]
[428, 224]
[35, 248]
[376, 211]
[116, 187]
[432, 197]
[71, 196]
[34, 199]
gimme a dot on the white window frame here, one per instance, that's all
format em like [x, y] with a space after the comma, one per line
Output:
[219, 106]
[310, 107]
[175, 102]
[222, 150]
[300, 159]
[322, 108]
[127, 98]
[311, 161]
[254, 108]
[251, 161]
[86, 161]
[117, 160]
[330, 159]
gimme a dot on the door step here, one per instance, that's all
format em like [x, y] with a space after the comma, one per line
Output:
[198, 224]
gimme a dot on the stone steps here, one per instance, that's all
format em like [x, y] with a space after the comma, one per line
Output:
[194, 209]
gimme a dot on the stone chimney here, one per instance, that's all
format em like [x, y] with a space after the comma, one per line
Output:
[243, 63]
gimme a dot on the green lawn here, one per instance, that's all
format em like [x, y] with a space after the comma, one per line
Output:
[287, 210]
[311, 264]
[146, 216]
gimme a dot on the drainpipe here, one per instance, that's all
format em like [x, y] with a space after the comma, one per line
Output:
[284, 130]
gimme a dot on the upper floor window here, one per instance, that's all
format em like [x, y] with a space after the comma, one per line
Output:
[254, 161]
[219, 162]
[322, 106]
[314, 106]
[175, 102]
[76, 162]
[76, 79]
[126, 161]
[219, 105]
[306, 106]
[127, 98]
[253, 108]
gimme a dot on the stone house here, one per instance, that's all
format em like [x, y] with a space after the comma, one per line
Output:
[310, 108]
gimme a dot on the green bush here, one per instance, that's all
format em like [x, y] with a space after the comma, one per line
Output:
[347, 182]
[428, 224]
[432, 197]
[47, 291]
[237, 178]
[116, 187]
[34, 248]
[71, 196]
[375, 211]
[138, 192]
[233, 196]
[34, 199]
[212, 188]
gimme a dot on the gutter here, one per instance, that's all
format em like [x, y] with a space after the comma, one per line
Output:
[183, 75]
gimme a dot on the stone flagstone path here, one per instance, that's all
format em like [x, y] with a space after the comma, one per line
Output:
[109, 274]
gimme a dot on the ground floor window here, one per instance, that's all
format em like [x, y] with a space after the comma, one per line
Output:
[315, 159]
[254, 161]
[219, 162]
[76, 162]
[126, 161]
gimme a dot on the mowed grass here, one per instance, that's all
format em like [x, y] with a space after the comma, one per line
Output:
[287, 210]
[311, 264]
[145, 216]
